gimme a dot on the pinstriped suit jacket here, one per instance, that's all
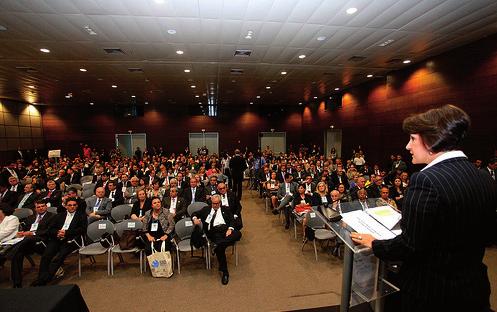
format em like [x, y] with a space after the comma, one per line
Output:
[448, 217]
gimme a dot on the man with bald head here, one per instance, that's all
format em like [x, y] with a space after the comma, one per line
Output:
[98, 206]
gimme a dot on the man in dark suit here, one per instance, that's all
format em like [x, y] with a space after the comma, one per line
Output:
[340, 177]
[73, 176]
[52, 195]
[194, 193]
[491, 168]
[63, 231]
[263, 175]
[114, 194]
[7, 196]
[229, 200]
[15, 186]
[237, 167]
[361, 203]
[176, 205]
[34, 231]
[218, 224]
[361, 183]
[27, 199]
[211, 187]
[182, 184]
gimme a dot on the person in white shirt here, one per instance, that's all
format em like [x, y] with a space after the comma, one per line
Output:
[9, 224]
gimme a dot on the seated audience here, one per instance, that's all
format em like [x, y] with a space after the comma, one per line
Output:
[65, 228]
[158, 227]
[177, 206]
[384, 200]
[9, 224]
[98, 207]
[27, 199]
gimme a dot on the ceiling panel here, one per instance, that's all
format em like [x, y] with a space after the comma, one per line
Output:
[209, 31]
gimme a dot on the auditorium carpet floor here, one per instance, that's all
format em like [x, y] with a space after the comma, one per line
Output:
[273, 275]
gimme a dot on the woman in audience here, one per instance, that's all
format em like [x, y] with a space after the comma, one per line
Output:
[302, 199]
[272, 187]
[397, 192]
[141, 206]
[344, 195]
[9, 224]
[158, 227]
[321, 196]
[156, 190]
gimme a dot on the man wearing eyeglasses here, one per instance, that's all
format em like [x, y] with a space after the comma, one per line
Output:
[64, 234]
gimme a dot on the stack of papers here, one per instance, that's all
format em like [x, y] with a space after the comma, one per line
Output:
[378, 222]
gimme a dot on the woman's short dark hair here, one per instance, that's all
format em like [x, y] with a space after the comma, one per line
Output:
[442, 129]
[6, 209]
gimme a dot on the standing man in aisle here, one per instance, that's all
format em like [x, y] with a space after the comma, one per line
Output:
[237, 167]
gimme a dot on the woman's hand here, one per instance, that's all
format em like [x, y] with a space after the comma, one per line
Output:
[164, 237]
[150, 238]
[362, 239]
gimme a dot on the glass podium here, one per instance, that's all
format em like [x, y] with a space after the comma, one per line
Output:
[363, 276]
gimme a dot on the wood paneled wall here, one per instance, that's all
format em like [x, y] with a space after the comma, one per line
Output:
[371, 114]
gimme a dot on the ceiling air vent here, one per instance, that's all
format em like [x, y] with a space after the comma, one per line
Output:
[244, 53]
[236, 71]
[114, 51]
[26, 69]
[135, 70]
[356, 58]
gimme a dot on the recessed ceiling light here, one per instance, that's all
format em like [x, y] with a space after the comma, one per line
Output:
[133, 96]
[300, 103]
[251, 103]
[186, 70]
[315, 97]
[351, 11]
[301, 56]
[114, 86]
[336, 89]
[91, 103]
[321, 38]
[82, 69]
[3, 28]
[197, 96]
[179, 52]
[406, 61]
[193, 86]
[31, 87]
[258, 96]
[369, 75]
[385, 43]
[200, 103]
[44, 50]
[171, 31]
[268, 87]
[283, 72]
[90, 31]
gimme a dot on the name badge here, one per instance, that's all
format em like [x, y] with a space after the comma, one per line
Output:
[312, 214]
[131, 225]
[34, 227]
[188, 223]
[209, 218]
[213, 192]
[324, 199]
[102, 226]
[155, 227]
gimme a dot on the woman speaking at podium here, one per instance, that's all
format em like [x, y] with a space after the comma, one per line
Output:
[448, 217]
